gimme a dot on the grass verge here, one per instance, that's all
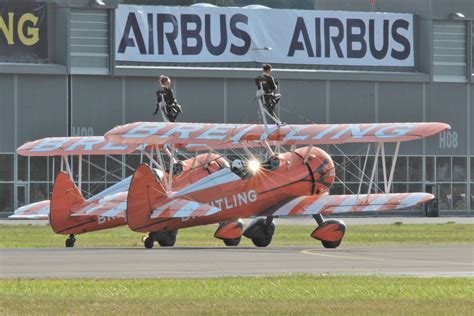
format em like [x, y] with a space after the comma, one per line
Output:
[33, 236]
[277, 295]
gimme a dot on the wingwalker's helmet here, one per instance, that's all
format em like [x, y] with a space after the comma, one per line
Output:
[237, 165]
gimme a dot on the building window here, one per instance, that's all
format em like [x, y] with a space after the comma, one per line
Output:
[459, 169]
[430, 169]
[415, 170]
[443, 169]
[6, 167]
[38, 192]
[459, 196]
[400, 173]
[472, 168]
[97, 168]
[445, 196]
[38, 169]
[22, 168]
[449, 51]
[472, 50]
[472, 196]
[6, 197]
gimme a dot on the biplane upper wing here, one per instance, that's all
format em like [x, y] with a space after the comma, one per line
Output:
[221, 136]
[72, 146]
[329, 204]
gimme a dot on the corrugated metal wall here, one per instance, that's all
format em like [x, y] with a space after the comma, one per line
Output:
[90, 43]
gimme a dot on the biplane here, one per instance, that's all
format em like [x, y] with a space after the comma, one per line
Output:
[69, 213]
[281, 184]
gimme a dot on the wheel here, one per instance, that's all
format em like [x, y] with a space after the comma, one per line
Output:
[167, 239]
[232, 242]
[70, 242]
[331, 244]
[262, 242]
[148, 242]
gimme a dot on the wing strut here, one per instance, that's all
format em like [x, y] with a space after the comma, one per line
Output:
[394, 162]
[79, 180]
[363, 170]
[372, 175]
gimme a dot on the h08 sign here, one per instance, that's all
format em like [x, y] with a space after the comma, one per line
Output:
[23, 29]
[197, 34]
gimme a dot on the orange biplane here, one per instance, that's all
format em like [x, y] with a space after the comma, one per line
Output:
[293, 183]
[71, 213]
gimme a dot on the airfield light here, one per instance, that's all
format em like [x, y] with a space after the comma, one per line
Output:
[254, 166]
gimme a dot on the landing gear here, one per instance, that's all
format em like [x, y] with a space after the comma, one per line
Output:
[148, 242]
[230, 232]
[329, 232]
[261, 231]
[165, 239]
[70, 241]
[232, 242]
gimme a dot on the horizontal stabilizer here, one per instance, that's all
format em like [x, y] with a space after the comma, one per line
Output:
[182, 208]
[113, 205]
[329, 204]
[33, 211]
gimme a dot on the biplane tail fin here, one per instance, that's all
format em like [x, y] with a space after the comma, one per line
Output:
[65, 199]
[146, 190]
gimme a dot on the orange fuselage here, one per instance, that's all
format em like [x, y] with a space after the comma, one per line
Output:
[236, 197]
[63, 223]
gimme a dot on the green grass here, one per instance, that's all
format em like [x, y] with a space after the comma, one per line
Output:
[276, 295]
[32, 236]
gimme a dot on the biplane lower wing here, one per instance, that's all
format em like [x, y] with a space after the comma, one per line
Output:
[332, 204]
[34, 211]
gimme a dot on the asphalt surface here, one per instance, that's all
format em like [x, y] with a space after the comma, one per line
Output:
[241, 261]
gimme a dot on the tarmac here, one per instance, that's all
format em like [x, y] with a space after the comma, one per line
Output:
[240, 261]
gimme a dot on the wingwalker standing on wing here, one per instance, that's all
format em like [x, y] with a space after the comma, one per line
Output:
[166, 102]
[266, 97]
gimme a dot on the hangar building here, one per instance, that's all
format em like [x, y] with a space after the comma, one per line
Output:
[60, 75]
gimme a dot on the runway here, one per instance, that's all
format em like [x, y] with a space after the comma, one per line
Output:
[241, 261]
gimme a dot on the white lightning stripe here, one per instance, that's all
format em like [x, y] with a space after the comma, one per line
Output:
[89, 210]
[213, 210]
[377, 203]
[285, 209]
[218, 178]
[116, 210]
[346, 204]
[187, 209]
[119, 187]
[317, 206]
[413, 199]
[157, 212]
[44, 211]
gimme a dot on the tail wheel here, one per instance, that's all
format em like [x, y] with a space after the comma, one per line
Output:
[70, 241]
[148, 242]
[232, 242]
